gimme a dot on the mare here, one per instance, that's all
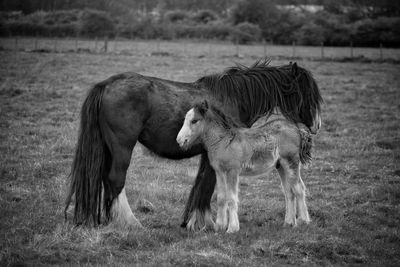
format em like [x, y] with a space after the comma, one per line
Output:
[129, 107]
[233, 150]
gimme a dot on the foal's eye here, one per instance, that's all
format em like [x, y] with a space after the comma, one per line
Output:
[194, 121]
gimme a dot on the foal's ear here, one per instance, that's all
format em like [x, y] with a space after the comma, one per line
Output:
[203, 107]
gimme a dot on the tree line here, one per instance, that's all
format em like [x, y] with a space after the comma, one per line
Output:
[306, 22]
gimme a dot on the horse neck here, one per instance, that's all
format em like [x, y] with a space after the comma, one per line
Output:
[213, 134]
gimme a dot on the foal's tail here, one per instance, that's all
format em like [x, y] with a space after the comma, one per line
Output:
[305, 145]
[91, 162]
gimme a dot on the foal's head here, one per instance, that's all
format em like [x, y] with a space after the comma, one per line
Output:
[193, 126]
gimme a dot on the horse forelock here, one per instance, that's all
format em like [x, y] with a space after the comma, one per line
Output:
[258, 89]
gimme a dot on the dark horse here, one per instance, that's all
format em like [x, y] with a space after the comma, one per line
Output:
[129, 107]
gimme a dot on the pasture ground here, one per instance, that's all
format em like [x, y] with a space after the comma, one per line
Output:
[353, 182]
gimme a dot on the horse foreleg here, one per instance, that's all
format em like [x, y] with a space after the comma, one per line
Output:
[197, 214]
[286, 174]
[222, 202]
[233, 201]
[299, 190]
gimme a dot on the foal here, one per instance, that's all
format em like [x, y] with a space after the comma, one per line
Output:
[234, 150]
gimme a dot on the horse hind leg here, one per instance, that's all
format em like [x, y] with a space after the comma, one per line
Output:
[286, 173]
[116, 203]
[299, 190]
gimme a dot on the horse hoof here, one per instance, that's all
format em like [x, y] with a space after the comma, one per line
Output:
[232, 230]
[289, 224]
[301, 221]
[220, 228]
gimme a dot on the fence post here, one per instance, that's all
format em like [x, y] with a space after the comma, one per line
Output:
[322, 50]
[55, 44]
[16, 46]
[106, 44]
[381, 51]
[293, 49]
[36, 42]
[351, 49]
[115, 42]
[265, 48]
[76, 42]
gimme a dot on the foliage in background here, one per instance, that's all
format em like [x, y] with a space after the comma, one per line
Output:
[90, 23]
[247, 32]
[334, 23]
[96, 23]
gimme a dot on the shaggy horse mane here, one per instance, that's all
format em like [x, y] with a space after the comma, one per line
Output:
[257, 89]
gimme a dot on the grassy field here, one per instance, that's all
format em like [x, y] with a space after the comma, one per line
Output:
[353, 183]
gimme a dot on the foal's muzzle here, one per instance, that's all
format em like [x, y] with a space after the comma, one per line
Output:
[182, 142]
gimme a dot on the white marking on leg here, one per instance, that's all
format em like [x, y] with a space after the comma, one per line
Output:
[121, 212]
[302, 211]
[291, 204]
[209, 222]
[192, 222]
[222, 220]
[286, 201]
[233, 225]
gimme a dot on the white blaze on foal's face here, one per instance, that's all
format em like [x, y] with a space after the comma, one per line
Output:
[191, 129]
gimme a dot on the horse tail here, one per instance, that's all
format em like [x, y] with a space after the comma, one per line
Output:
[310, 100]
[305, 145]
[91, 161]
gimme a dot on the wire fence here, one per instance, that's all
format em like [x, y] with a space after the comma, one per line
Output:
[192, 48]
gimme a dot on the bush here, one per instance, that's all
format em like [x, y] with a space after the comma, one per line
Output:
[176, 16]
[60, 23]
[310, 34]
[24, 28]
[381, 30]
[254, 11]
[204, 16]
[63, 30]
[13, 15]
[218, 31]
[246, 32]
[53, 18]
[96, 23]
[146, 29]
[31, 29]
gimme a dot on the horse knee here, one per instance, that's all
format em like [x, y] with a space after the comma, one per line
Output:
[221, 201]
[299, 190]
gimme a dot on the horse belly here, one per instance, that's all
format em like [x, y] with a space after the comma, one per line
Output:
[261, 169]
